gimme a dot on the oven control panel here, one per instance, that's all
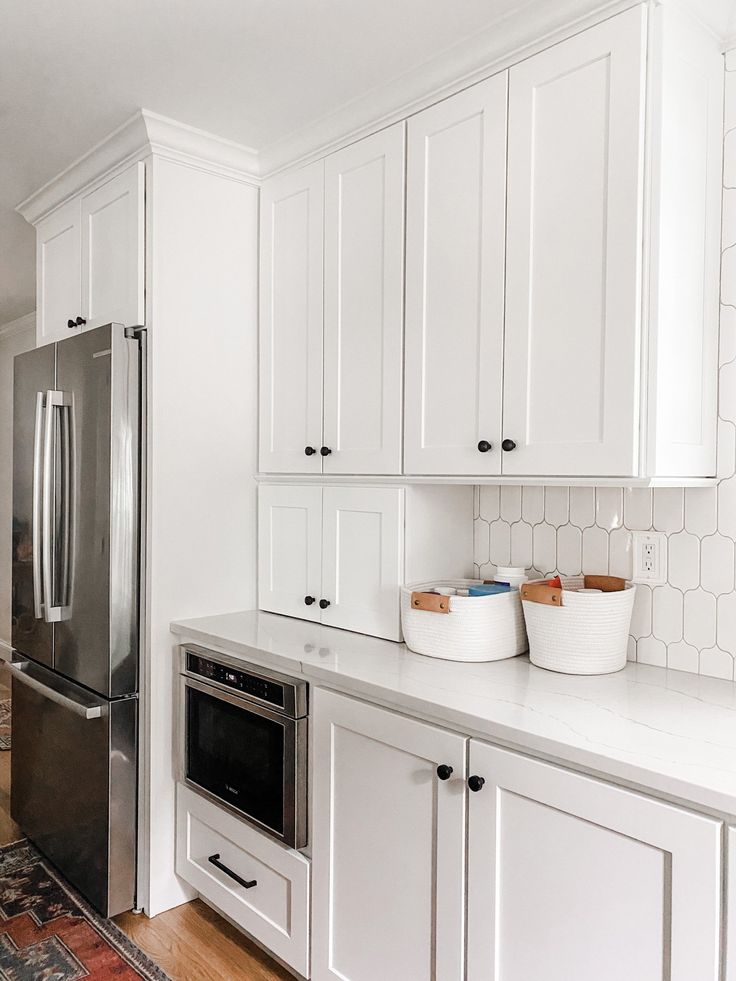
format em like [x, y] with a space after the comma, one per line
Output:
[244, 682]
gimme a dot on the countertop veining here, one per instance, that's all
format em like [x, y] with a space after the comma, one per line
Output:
[668, 731]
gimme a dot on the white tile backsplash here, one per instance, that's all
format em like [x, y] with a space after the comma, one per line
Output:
[689, 623]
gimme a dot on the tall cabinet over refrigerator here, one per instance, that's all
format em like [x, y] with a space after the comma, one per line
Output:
[75, 607]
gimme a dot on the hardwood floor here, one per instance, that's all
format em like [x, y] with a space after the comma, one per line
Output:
[191, 942]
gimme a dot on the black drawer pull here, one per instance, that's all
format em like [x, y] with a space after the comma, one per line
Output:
[215, 860]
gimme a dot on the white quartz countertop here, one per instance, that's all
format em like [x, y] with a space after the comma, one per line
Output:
[666, 731]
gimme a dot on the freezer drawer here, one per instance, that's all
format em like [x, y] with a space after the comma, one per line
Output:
[74, 782]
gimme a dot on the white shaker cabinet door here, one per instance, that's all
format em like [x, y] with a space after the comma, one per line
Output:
[363, 559]
[292, 214]
[364, 304]
[388, 839]
[573, 275]
[456, 194]
[58, 273]
[113, 250]
[571, 879]
[289, 549]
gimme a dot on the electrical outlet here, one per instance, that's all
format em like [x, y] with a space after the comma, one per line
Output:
[650, 557]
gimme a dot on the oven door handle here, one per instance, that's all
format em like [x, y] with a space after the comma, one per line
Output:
[245, 883]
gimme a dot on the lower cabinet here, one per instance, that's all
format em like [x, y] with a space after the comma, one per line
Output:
[388, 845]
[260, 885]
[568, 878]
[571, 879]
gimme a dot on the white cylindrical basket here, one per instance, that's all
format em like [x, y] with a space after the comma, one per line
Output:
[462, 628]
[579, 633]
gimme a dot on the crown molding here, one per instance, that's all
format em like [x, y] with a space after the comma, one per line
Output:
[531, 27]
[143, 133]
[19, 326]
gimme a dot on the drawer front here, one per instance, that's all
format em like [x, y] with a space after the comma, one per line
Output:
[276, 909]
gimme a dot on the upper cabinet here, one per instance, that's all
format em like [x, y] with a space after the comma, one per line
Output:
[574, 254]
[456, 201]
[90, 259]
[562, 270]
[332, 241]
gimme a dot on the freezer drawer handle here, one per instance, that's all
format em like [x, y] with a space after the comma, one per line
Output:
[85, 711]
[245, 883]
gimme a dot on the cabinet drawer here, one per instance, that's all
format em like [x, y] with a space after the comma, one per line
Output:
[276, 910]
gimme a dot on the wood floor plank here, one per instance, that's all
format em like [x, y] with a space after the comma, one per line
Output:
[193, 943]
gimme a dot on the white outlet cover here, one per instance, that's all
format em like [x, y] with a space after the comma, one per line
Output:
[658, 575]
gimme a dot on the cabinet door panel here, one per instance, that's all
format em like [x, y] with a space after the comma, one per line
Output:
[571, 879]
[573, 287]
[289, 549]
[363, 559]
[456, 193]
[364, 304]
[292, 213]
[389, 846]
[113, 244]
[58, 273]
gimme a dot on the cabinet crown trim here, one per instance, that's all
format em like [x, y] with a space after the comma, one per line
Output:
[143, 133]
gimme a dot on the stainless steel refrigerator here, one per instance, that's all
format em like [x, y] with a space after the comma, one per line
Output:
[75, 607]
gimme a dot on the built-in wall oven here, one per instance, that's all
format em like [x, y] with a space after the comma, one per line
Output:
[244, 737]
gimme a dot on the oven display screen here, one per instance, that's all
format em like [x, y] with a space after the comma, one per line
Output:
[240, 681]
[236, 755]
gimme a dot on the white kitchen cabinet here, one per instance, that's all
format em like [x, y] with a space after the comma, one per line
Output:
[573, 298]
[58, 273]
[292, 215]
[90, 259]
[290, 550]
[570, 879]
[339, 554]
[364, 305]
[388, 845]
[113, 250]
[348, 211]
[456, 197]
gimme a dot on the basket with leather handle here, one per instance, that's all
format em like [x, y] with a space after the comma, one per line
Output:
[462, 628]
[579, 632]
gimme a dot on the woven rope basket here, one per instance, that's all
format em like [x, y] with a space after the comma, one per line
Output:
[579, 633]
[462, 628]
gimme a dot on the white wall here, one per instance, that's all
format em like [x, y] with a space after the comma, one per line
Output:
[15, 338]
[202, 372]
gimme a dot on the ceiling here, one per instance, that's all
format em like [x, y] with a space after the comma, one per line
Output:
[253, 71]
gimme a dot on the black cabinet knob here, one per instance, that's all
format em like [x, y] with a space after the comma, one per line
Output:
[476, 783]
[484, 446]
[508, 445]
[309, 451]
[70, 323]
[323, 604]
[325, 450]
[80, 322]
[444, 771]
[308, 600]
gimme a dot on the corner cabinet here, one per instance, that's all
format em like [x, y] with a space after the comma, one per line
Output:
[568, 878]
[90, 253]
[331, 325]
[339, 555]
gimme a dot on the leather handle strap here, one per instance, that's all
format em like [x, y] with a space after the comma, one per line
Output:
[430, 602]
[541, 593]
[606, 584]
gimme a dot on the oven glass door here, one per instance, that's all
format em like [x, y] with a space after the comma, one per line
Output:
[241, 753]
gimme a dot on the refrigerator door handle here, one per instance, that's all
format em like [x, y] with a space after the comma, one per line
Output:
[53, 612]
[38, 604]
[85, 711]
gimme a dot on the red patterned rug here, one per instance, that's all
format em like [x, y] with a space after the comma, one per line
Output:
[49, 933]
